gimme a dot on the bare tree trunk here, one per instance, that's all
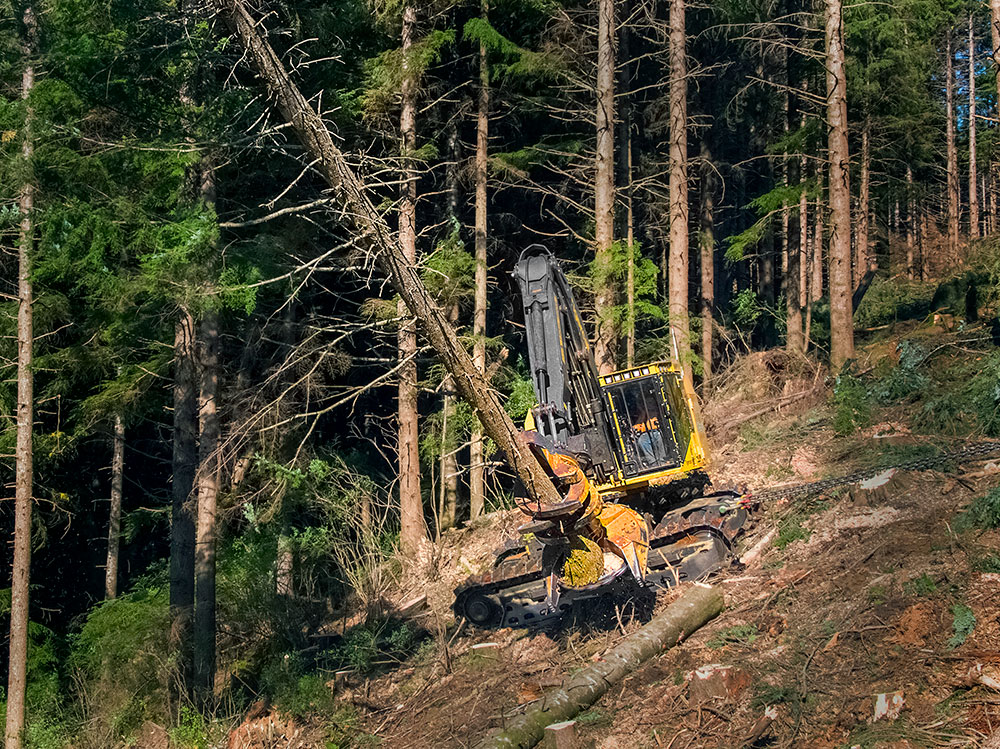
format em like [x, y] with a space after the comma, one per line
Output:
[678, 271]
[448, 507]
[630, 240]
[952, 151]
[208, 491]
[604, 188]
[863, 260]
[182, 516]
[24, 472]
[411, 511]
[706, 241]
[816, 261]
[794, 337]
[698, 605]
[841, 314]
[477, 468]
[973, 176]
[803, 242]
[910, 223]
[115, 513]
[387, 251]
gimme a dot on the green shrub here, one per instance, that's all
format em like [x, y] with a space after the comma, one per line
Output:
[906, 378]
[120, 659]
[888, 300]
[963, 622]
[984, 512]
[988, 563]
[190, 732]
[923, 585]
[851, 403]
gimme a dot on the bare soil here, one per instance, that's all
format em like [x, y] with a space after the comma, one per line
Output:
[856, 597]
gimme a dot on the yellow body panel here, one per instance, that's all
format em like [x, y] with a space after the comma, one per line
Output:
[696, 457]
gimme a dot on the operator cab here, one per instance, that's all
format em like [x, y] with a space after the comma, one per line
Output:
[651, 423]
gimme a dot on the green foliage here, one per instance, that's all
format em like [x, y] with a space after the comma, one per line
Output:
[851, 403]
[740, 634]
[924, 585]
[746, 309]
[988, 563]
[984, 512]
[120, 655]
[376, 643]
[889, 300]
[508, 59]
[385, 73]
[969, 398]
[521, 399]
[295, 688]
[905, 379]
[449, 272]
[790, 529]
[963, 622]
[190, 731]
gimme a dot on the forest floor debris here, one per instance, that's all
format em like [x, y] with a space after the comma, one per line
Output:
[857, 594]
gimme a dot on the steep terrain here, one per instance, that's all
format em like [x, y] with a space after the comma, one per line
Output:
[848, 595]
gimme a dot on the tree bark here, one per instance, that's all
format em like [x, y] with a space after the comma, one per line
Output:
[115, 513]
[910, 223]
[816, 252]
[678, 270]
[477, 458]
[698, 605]
[841, 314]
[411, 511]
[604, 189]
[706, 241]
[208, 491]
[24, 472]
[952, 150]
[794, 335]
[973, 176]
[388, 253]
[182, 515]
[862, 260]
[448, 509]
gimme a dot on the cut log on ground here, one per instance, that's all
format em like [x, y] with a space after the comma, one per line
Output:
[373, 233]
[698, 605]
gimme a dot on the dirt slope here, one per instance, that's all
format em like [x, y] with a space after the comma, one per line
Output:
[856, 595]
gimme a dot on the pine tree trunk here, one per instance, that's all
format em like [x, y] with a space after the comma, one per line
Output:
[803, 243]
[448, 509]
[477, 468]
[24, 473]
[816, 252]
[973, 176]
[182, 515]
[707, 245]
[373, 231]
[604, 189]
[699, 604]
[678, 270]
[863, 259]
[115, 512]
[412, 527]
[208, 491]
[910, 224]
[794, 337]
[841, 314]
[952, 151]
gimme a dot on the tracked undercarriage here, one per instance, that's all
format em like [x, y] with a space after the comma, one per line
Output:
[688, 543]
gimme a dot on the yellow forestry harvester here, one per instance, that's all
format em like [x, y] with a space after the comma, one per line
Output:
[626, 451]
